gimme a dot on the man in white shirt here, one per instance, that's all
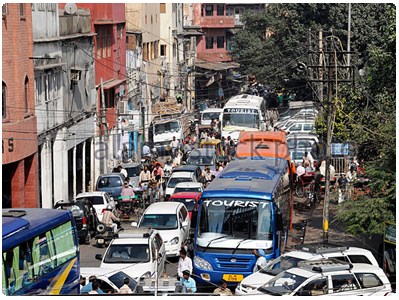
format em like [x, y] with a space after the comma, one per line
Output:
[261, 260]
[185, 263]
[174, 144]
[125, 289]
[122, 171]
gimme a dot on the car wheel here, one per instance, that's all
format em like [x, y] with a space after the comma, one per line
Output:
[101, 228]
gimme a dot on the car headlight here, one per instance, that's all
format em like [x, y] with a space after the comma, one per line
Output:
[202, 263]
[174, 241]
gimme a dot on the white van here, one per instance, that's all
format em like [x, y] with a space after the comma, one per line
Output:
[210, 114]
[171, 220]
[176, 178]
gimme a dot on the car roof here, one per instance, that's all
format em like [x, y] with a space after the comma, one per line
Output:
[190, 195]
[202, 151]
[184, 168]
[94, 193]
[129, 240]
[181, 174]
[188, 184]
[302, 135]
[130, 165]
[88, 271]
[163, 208]
[110, 174]
[212, 110]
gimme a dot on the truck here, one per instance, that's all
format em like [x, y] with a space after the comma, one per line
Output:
[169, 120]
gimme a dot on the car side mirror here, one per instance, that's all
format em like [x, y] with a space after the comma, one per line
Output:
[134, 224]
[99, 256]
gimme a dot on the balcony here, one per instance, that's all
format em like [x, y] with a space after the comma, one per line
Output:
[217, 22]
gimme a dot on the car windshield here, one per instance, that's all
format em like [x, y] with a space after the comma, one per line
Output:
[127, 254]
[249, 120]
[166, 127]
[95, 200]
[283, 283]
[109, 182]
[188, 189]
[175, 180]
[189, 203]
[159, 221]
[118, 278]
[280, 264]
[76, 209]
[200, 160]
[210, 116]
[132, 171]
[245, 218]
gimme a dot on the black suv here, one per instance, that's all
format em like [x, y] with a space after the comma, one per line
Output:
[85, 218]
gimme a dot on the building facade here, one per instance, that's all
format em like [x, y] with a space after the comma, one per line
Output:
[19, 154]
[109, 24]
[65, 97]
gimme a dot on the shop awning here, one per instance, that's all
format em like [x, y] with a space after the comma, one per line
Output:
[217, 66]
[112, 83]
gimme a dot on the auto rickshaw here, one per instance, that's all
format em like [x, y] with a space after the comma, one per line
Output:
[215, 144]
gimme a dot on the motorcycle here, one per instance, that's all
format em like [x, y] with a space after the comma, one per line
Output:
[105, 234]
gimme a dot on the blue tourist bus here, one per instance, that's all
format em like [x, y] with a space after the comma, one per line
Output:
[246, 207]
[40, 252]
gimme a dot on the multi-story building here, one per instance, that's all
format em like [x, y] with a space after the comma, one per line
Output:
[109, 24]
[65, 97]
[19, 154]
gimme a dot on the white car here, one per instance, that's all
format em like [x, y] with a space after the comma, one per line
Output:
[110, 280]
[299, 127]
[173, 222]
[188, 187]
[329, 277]
[308, 252]
[301, 141]
[176, 178]
[139, 253]
[100, 200]
[210, 114]
[297, 155]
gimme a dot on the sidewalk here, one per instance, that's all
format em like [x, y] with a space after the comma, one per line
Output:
[336, 230]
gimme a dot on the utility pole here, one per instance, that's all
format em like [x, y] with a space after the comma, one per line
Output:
[321, 64]
[349, 36]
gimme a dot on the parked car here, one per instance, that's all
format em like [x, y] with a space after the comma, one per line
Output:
[85, 217]
[176, 178]
[196, 170]
[203, 157]
[99, 200]
[173, 222]
[301, 141]
[188, 187]
[300, 127]
[133, 172]
[189, 199]
[308, 252]
[135, 252]
[110, 280]
[111, 183]
[329, 277]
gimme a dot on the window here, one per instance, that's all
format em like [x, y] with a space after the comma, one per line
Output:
[38, 89]
[4, 105]
[156, 18]
[314, 288]
[163, 50]
[4, 9]
[144, 51]
[156, 43]
[152, 50]
[108, 42]
[307, 127]
[26, 94]
[209, 42]
[145, 19]
[359, 259]
[162, 8]
[151, 20]
[21, 9]
[343, 283]
[220, 9]
[99, 43]
[48, 86]
[202, 10]
[104, 45]
[368, 280]
[220, 41]
[296, 127]
[208, 10]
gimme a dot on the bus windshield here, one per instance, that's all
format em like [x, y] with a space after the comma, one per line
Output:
[245, 218]
[210, 116]
[241, 120]
[166, 127]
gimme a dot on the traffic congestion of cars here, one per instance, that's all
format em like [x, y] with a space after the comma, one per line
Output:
[170, 222]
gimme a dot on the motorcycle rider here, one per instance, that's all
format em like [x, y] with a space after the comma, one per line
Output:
[169, 166]
[109, 219]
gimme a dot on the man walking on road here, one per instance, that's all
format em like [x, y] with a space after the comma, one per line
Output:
[185, 263]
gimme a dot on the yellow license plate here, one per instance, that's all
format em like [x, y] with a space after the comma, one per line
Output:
[233, 277]
[167, 148]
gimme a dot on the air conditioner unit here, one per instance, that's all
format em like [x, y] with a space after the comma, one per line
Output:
[221, 21]
[221, 55]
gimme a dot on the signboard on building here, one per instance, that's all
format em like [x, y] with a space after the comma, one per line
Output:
[390, 233]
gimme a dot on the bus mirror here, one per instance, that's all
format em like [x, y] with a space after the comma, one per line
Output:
[279, 221]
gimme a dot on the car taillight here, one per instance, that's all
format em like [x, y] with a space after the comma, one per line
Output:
[103, 210]
[84, 220]
[314, 164]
